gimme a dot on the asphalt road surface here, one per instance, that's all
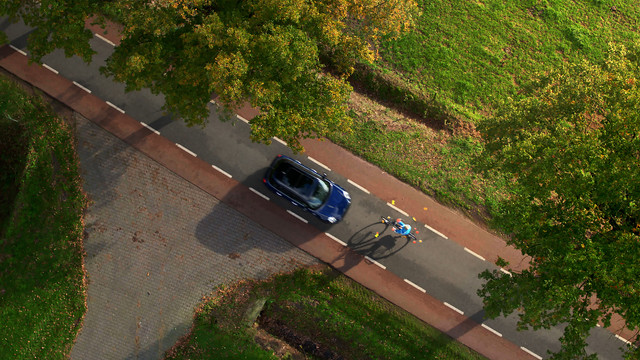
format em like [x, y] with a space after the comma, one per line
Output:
[441, 267]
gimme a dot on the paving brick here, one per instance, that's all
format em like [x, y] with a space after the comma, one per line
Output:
[155, 245]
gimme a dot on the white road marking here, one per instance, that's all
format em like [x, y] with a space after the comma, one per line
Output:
[436, 231]
[454, 308]
[336, 239]
[505, 271]
[150, 128]
[115, 107]
[623, 339]
[397, 209]
[358, 186]
[531, 353]
[415, 286]
[490, 329]
[474, 254]
[50, 68]
[375, 262]
[105, 39]
[82, 87]
[18, 50]
[280, 141]
[319, 163]
[242, 119]
[187, 150]
[298, 217]
[229, 175]
[258, 193]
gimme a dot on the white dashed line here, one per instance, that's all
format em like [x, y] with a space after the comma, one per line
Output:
[319, 163]
[228, 175]
[280, 141]
[454, 308]
[115, 107]
[623, 339]
[415, 286]
[18, 50]
[242, 119]
[336, 239]
[258, 193]
[105, 39]
[505, 271]
[398, 210]
[436, 231]
[474, 254]
[150, 128]
[187, 150]
[490, 329]
[82, 87]
[298, 217]
[375, 262]
[50, 69]
[531, 353]
[358, 186]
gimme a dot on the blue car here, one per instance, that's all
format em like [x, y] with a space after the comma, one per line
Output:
[308, 189]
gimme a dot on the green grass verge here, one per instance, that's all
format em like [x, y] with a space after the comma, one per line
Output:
[472, 54]
[42, 297]
[324, 306]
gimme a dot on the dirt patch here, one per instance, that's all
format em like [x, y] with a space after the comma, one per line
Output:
[286, 337]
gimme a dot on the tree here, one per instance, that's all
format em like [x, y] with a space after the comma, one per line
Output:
[267, 52]
[570, 143]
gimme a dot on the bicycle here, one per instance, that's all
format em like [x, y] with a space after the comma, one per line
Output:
[395, 223]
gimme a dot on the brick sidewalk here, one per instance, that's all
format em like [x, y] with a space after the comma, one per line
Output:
[155, 244]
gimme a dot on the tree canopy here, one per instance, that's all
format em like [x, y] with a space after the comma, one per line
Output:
[570, 143]
[271, 53]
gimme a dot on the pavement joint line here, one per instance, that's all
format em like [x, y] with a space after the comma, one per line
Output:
[475, 254]
[319, 163]
[436, 231]
[150, 128]
[225, 173]
[298, 217]
[492, 330]
[531, 353]
[187, 150]
[505, 271]
[82, 87]
[415, 286]
[114, 106]
[623, 339]
[336, 239]
[375, 262]
[280, 141]
[358, 186]
[259, 193]
[453, 308]
[50, 69]
[105, 39]
[397, 209]
[242, 119]
[18, 50]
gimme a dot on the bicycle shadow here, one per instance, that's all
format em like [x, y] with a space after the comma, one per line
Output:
[374, 243]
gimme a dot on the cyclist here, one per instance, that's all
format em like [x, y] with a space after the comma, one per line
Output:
[401, 228]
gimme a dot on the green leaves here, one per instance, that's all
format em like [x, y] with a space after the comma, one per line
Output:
[571, 142]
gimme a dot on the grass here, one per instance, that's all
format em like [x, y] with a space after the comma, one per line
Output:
[462, 60]
[42, 290]
[323, 305]
[472, 54]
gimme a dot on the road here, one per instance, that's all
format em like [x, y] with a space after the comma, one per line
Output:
[439, 266]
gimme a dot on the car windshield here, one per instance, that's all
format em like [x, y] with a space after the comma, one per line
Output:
[313, 190]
